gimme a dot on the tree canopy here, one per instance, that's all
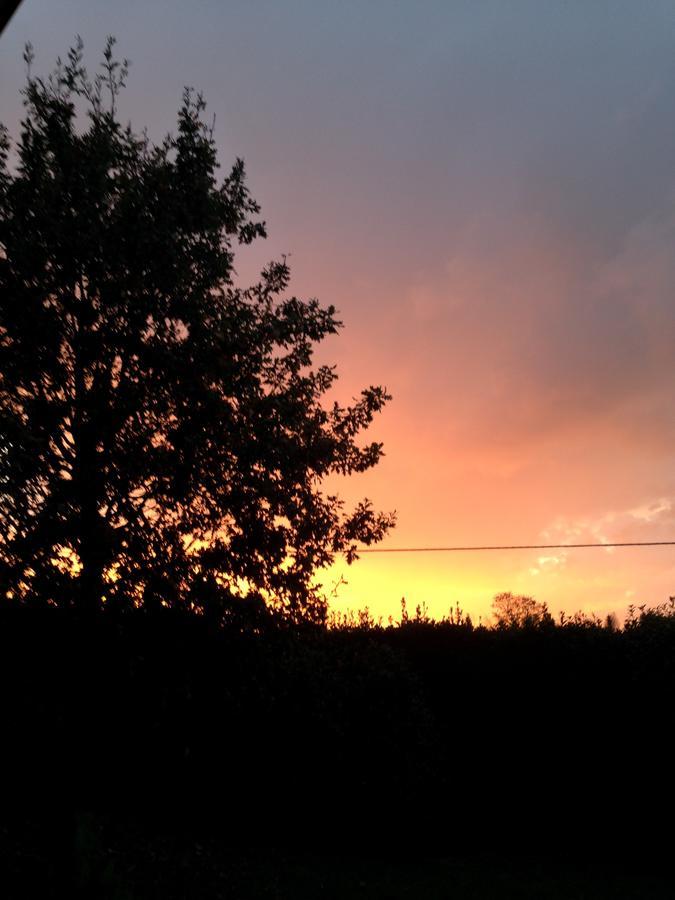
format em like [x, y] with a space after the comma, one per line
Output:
[518, 611]
[164, 432]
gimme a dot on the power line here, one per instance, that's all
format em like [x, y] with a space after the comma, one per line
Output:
[514, 547]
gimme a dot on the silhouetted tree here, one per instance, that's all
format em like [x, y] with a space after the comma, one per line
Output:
[517, 611]
[164, 435]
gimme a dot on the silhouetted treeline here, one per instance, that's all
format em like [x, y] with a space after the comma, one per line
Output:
[421, 734]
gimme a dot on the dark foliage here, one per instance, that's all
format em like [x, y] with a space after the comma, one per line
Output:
[113, 859]
[164, 436]
[432, 736]
[265, 735]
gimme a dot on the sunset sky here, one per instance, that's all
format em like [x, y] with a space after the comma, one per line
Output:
[486, 192]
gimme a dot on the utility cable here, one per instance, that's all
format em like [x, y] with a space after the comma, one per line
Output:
[514, 547]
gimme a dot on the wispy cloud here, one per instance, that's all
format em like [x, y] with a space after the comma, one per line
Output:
[614, 526]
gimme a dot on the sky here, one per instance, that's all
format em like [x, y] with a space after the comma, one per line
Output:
[486, 192]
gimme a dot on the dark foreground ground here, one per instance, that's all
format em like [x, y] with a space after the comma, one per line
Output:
[126, 862]
[145, 757]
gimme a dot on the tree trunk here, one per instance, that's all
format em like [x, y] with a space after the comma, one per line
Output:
[90, 525]
[87, 476]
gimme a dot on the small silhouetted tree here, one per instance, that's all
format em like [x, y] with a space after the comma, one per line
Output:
[518, 611]
[164, 435]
